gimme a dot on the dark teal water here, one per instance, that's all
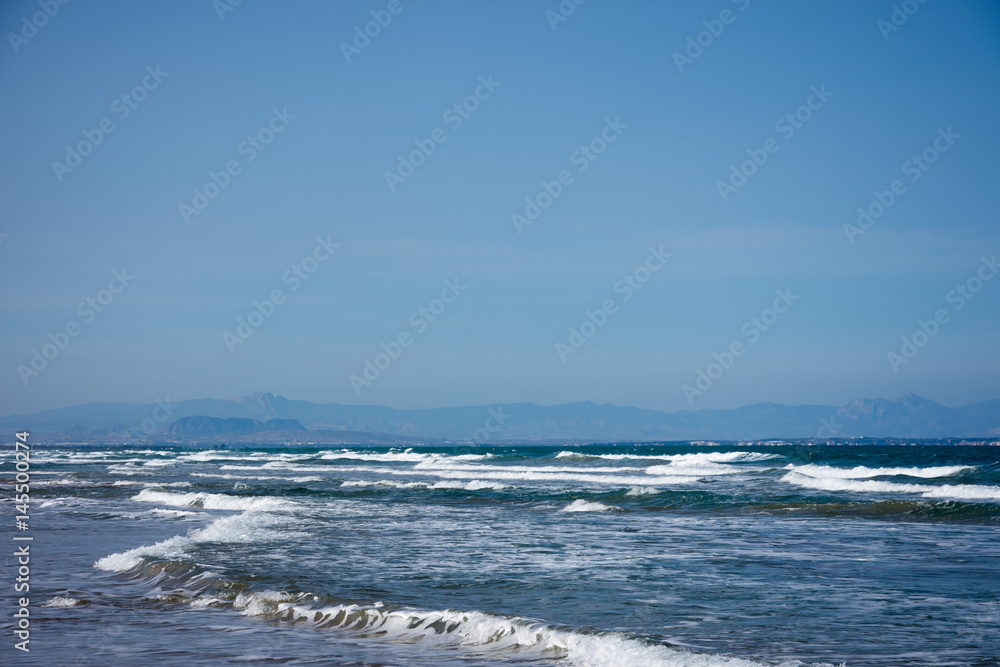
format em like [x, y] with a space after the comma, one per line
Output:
[694, 554]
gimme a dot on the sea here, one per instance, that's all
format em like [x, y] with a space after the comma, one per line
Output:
[694, 554]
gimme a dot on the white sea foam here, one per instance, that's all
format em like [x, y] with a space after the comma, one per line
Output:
[70, 501]
[174, 514]
[296, 480]
[960, 491]
[641, 491]
[167, 485]
[581, 505]
[213, 455]
[212, 501]
[861, 472]
[63, 482]
[248, 527]
[710, 457]
[383, 482]
[483, 631]
[541, 476]
[474, 485]
[60, 601]
[438, 464]
[523, 473]
[129, 468]
[702, 469]
[396, 457]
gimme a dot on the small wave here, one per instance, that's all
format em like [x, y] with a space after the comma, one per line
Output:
[581, 505]
[69, 501]
[595, 476]
[701, 469]
[959, 491]
[474, 485]
[575, 456]
[296, 480]
[60, 601]
[396, 457]
[63, 482]
[173, 514]
[248, 527]
[212, 501]
[861, 472]
[129, 468]
[210, 455]
[436, 464]
[641, 491]
[475, 629]
[702, 457]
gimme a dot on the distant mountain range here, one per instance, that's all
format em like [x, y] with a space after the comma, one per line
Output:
[265, 418]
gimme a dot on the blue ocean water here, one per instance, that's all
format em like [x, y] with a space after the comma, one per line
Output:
[678, 554]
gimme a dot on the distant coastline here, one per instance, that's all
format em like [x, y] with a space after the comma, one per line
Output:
[266, 419]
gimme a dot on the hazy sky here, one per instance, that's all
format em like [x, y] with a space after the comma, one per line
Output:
[611, 121]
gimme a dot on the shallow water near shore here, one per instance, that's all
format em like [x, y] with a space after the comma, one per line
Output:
[681, 554]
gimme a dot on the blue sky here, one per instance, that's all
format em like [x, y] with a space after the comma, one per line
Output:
[345, 124]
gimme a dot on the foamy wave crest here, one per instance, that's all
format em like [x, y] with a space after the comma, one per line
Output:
[248, 527]
[405, 456]
[542, 476]
[722, 457]
[221, 475]
[474, 485]
[60, 601]
[68, 501]
[861, 472]
[581, 505]
[704, 457]
[575, 456]
[212, 501]
[490, 632]
[702, 469]
[174, 514]
[129, 468]
[441, 464]
[958, 491]
[211, 455]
